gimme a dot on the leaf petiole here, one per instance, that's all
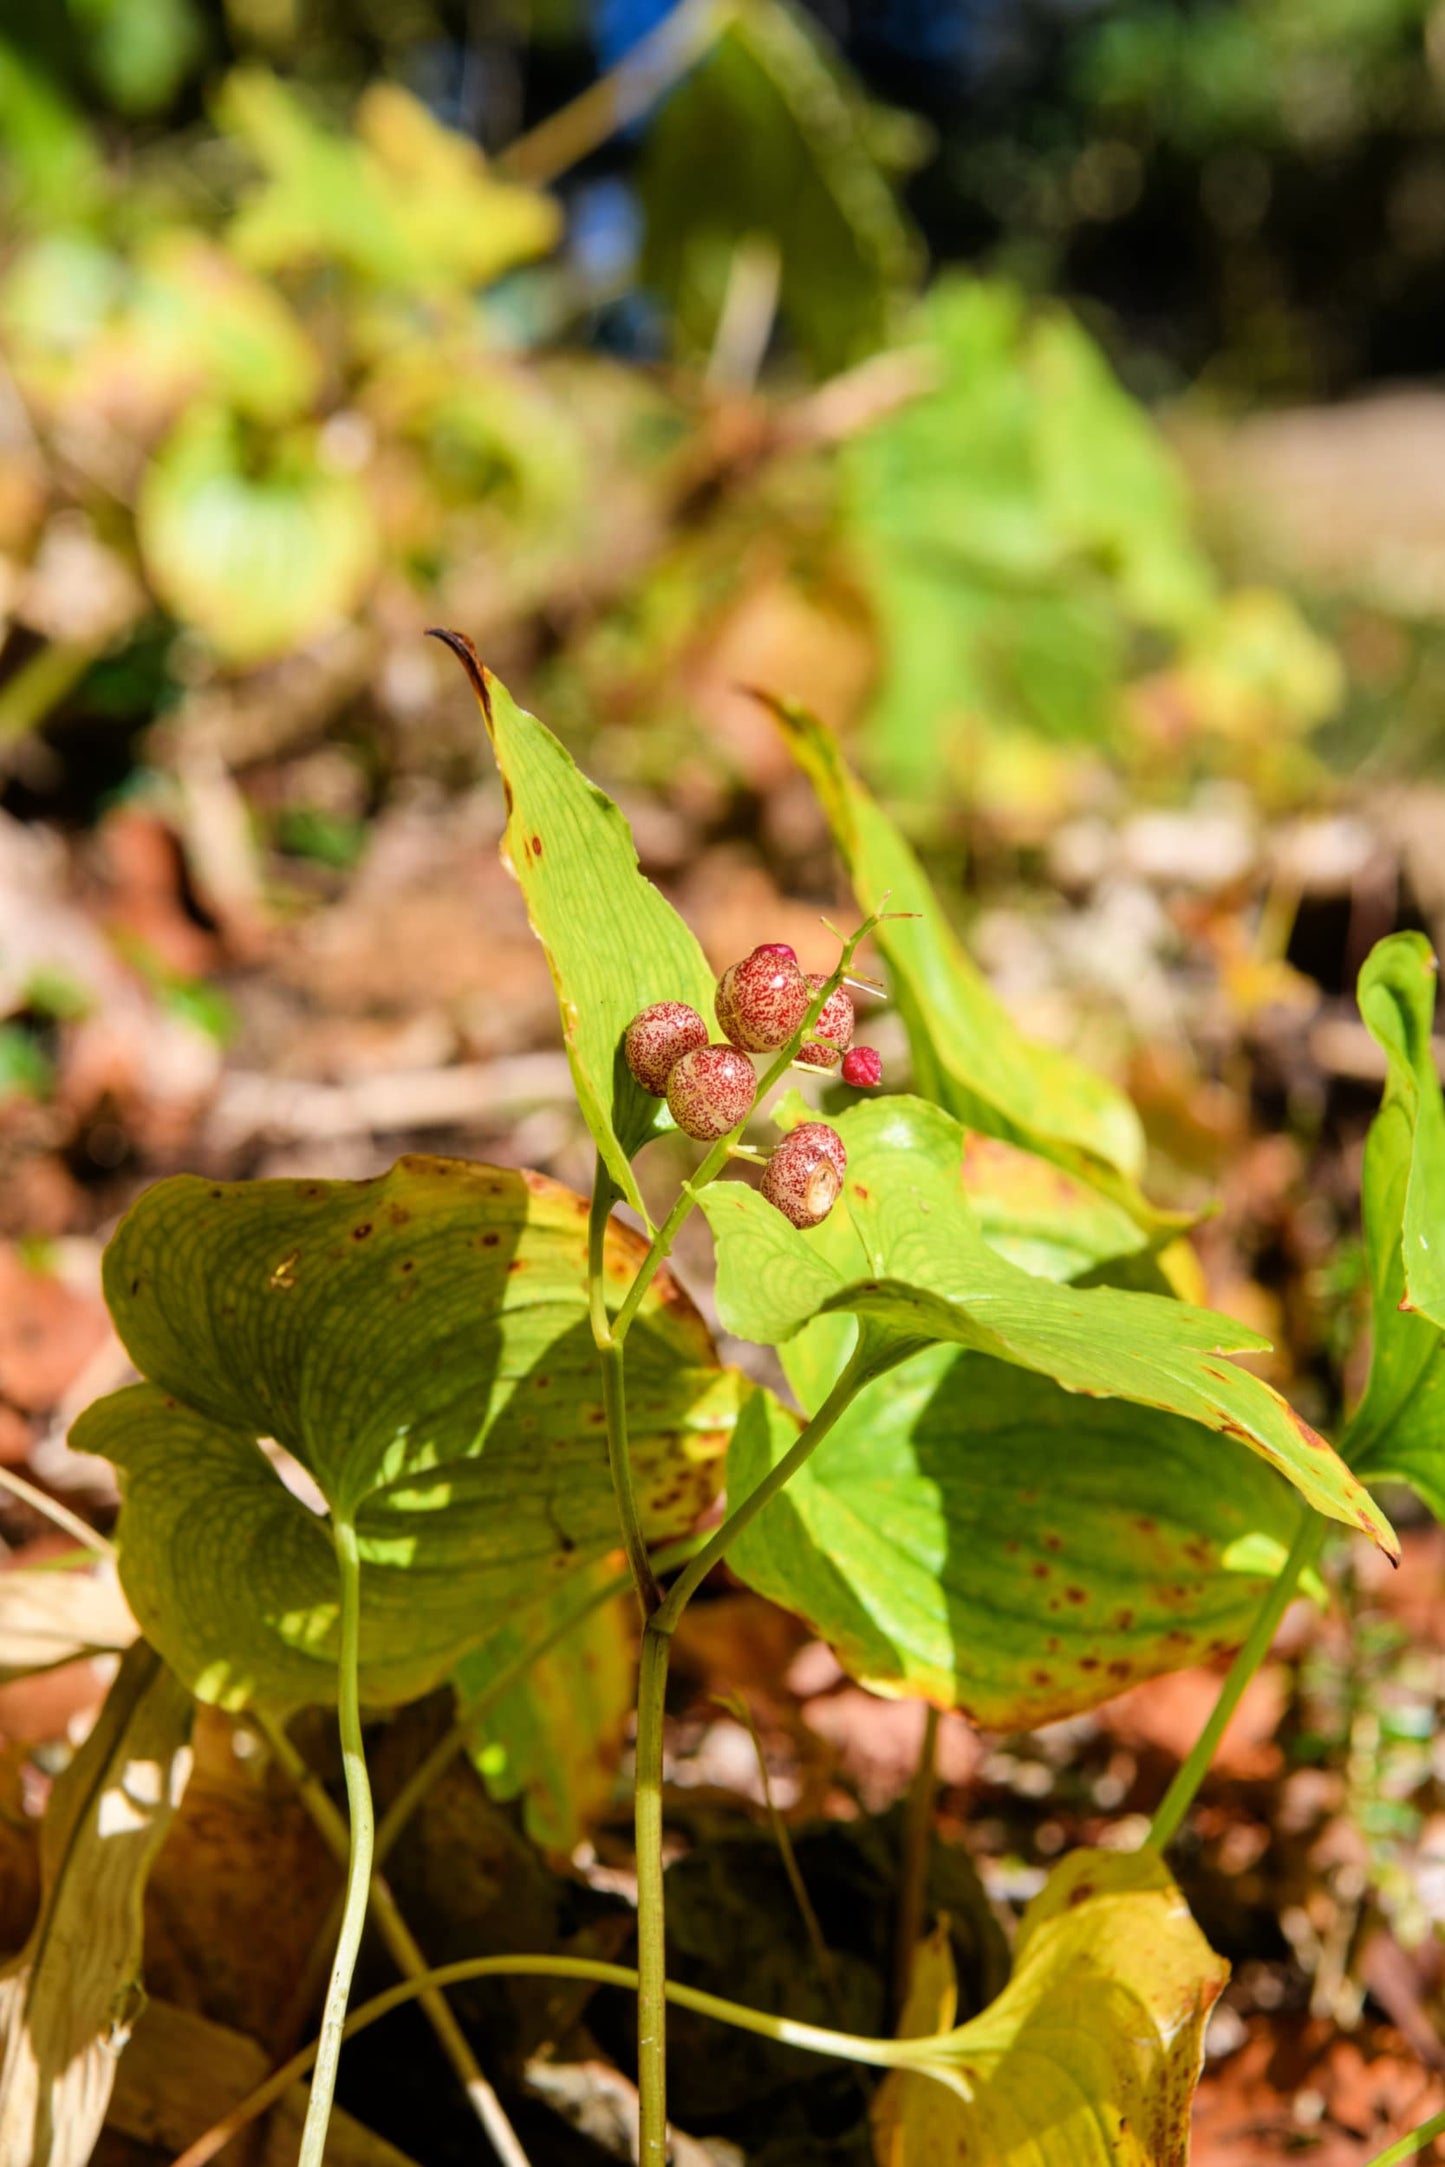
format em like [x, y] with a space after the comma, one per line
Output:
[358, 1869]
[1180, 1795]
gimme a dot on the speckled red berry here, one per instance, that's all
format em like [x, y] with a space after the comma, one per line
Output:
[862, 1068]
[804, 1176]
[710, 1091]
[657, 1039]
[762, 1000]
[836, 1023]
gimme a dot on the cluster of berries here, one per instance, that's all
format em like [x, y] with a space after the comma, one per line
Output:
[710, 1087]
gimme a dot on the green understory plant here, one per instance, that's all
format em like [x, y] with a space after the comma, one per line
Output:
[1009, 1482]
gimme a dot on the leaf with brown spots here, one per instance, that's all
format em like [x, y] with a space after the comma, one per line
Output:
[614, 945]
[1088, 2058]
[972, 1534]
[434, 1376]
[909, 1260]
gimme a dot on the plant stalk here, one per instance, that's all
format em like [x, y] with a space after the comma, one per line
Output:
[614, 1395]
[927, 2054]
[1180, 1795]
[1410, 2147]
[660, 1614]
[651, 1700]
[621, 96]
[358, 1870]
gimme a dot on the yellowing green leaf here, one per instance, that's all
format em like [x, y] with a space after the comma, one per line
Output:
[67, 2001]
[554, 1735]
[1021, 523]
[420, 1344]
[209, 328]
[1089, 2057]
[967, 1053]
[404, 202]
[260, 560]
[973, 1535]
[1397, 1001]
[1399, 1427]
[613, 944]
[920, 1271]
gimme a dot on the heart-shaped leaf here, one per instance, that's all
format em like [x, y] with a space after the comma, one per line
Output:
[1089, 2057]
[1398, 1429]
[968, 1055]
[613, 944]
[260, 561]
[920, 1271]
[420, 1344]
[553, 1734]
[973, 1535]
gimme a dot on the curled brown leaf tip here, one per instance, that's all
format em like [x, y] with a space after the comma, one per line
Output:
[470, 661]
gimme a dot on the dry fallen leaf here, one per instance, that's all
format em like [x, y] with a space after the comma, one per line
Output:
[67, 2001]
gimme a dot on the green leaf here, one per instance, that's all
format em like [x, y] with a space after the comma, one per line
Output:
[261, 560]
[1089, 2057]
[1397, 1001]
[553, 1735]
[614, 945]
[1021, 524]
[1039, 1217]
[967, 1053]
[404, 202]
[918, 1271]
[1398, 1430]
[68, 1999]
[420, 1344]
[201, 324]
[810, 185]
[976, 1536]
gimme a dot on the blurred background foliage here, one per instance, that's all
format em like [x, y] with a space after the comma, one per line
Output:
[323, 319]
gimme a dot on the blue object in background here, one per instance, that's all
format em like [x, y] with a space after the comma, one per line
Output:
[618, 25]
[604, 233]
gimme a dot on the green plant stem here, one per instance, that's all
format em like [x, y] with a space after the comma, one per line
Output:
[358, 1871]
[40, 685]
[1410, 2147]
[404, 1949]
[920, 2053]
[621, 96]
[913, 1860]
[651, 1911]
[614, 1394]
[61, 1515]
[721, 1151]
[651, 1702]
[660, 1614]
[1180, 1795]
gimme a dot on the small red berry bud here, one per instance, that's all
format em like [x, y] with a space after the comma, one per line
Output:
[836, 1023]
[804, 1176]
[710, 1091]
[862, 1068]
[762, 1000]
[656, 1040]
